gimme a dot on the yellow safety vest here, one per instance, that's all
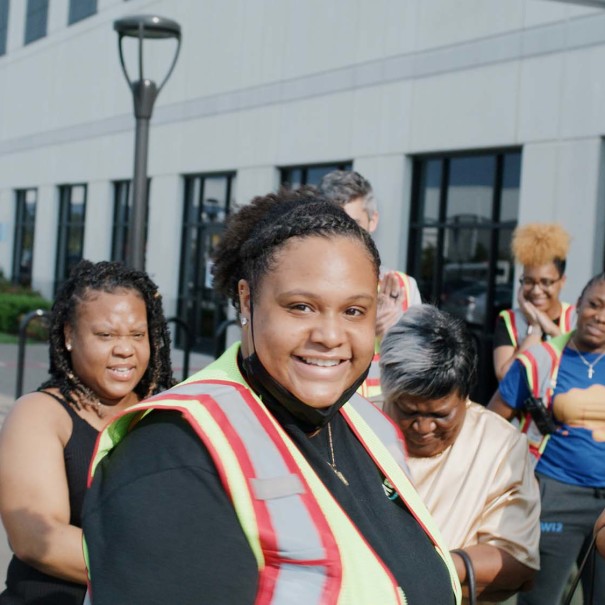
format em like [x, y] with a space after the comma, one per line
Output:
[541, 364]
[516, 323]
[299, 534]
[370, 388]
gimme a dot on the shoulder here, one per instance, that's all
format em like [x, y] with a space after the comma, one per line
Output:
[499, 444]
[38, 409]
[495, 431]
[161, 441]
[36, 422]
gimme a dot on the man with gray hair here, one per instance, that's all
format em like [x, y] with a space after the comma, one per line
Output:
[398, 291]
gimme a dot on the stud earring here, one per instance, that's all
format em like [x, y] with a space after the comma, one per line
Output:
[68, 347]
[244, 321]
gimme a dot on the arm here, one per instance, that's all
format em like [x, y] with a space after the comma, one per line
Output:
[500, 407]
[498, 575]
[34, 498]
[506, 555]
[505, 350]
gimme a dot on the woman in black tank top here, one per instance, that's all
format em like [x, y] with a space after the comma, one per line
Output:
[109, 347]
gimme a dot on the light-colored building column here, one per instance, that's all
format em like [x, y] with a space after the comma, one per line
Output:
[7, 230]
[251, 182]
[164, 237]
[58, 11]
[16, 26]
[562, 181]
[99, 217]
[390, 176]
[45, 240]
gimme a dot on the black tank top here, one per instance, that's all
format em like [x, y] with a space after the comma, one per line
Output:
[25, 584]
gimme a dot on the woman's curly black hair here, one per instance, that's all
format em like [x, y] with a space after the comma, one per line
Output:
[255, 233]
[85, 278]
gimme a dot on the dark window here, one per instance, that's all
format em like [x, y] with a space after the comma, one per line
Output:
[208, 199]
[464, 210]
[3, 25]
[72, 216]
[23, 250]
[122, 216]
[80, 9]
[311, 174]
[36, 19]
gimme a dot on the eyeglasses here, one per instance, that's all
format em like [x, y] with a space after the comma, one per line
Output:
[544, 282]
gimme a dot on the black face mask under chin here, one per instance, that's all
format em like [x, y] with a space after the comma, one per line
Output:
[274, 393]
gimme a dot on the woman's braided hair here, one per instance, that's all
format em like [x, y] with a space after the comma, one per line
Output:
[86, 278]
[260, 229]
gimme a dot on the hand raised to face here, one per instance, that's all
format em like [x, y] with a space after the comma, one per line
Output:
[390, 300]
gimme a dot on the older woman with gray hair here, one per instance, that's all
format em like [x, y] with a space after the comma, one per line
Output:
[471, 468]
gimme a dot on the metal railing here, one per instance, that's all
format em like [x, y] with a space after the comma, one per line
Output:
[219, 342]
[39, 314]
[186, 333]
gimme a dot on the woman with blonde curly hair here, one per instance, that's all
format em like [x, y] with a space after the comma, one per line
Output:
[542, 250]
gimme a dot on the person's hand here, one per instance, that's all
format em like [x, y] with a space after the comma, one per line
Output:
[390, 300]
[530, 312]
[536, 318]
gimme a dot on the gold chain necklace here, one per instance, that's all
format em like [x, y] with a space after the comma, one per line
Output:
[333, 463]
[590, 366]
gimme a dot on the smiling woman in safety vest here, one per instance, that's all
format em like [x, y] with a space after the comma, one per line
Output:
[261, 479]
[542, 250]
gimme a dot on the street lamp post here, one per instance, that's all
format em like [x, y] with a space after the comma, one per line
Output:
[144, 94]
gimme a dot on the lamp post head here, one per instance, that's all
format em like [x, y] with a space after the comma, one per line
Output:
[146, 27]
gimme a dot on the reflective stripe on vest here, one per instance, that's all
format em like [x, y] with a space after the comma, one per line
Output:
[541, 364]
[306, 547]
[516, 323]
[370, 388]
[404, 283]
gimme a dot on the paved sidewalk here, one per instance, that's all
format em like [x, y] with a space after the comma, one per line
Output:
[36, 372]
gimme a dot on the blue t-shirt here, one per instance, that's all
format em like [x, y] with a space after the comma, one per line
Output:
[575, 453]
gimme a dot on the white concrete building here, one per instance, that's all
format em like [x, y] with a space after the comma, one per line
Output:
[468, 117]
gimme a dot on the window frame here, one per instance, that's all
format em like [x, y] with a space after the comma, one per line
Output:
[285, 172]
[36, 12]
[22, 224]
[4, 17]
[80, 10]
[65, 225]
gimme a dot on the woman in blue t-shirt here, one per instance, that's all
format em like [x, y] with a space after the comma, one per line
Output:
[571, 456]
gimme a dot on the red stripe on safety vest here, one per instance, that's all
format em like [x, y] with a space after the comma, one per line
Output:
[267, 537]
[404, 283]
[332, 562]
[534, 373]
[568, 315]
[513, 325]
[554, 357]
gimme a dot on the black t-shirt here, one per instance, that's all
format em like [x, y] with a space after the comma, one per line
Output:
[161, 528]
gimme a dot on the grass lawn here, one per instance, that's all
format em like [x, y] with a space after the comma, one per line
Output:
[13, 339]
[8, 339]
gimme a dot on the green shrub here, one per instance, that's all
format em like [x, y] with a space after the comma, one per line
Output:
[13, 307]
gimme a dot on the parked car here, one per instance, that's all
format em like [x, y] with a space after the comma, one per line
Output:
[469, 303]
